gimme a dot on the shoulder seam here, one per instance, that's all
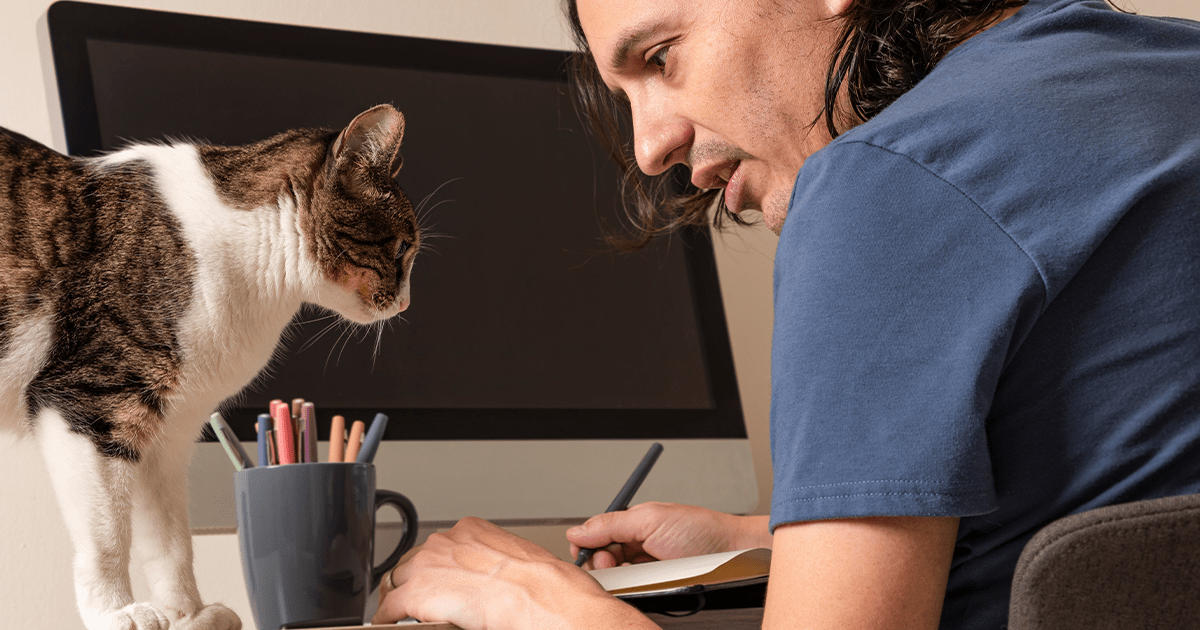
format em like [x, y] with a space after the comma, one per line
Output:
[1041, 272]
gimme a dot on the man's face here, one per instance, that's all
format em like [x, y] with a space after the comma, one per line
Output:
[730, 88]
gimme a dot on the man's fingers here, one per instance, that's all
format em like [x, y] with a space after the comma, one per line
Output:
[632, 525]
[602, 559]
[391, 609]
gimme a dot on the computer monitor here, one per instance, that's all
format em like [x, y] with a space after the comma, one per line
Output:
[536, 364]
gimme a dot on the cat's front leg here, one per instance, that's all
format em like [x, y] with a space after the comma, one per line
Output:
[93, 492]
[163, 538]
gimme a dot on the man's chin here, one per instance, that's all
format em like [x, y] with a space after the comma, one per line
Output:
[775, 212]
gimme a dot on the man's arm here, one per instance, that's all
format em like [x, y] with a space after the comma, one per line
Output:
[882, 572]
[885, 572]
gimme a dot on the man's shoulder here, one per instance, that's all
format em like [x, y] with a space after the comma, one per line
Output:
[1057, 77]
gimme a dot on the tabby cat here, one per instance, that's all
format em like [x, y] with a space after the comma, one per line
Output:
[140, 289]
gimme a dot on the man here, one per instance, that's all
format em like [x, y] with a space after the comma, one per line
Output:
[987, 294]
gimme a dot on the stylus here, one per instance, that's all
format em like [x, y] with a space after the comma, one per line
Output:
[627, 491]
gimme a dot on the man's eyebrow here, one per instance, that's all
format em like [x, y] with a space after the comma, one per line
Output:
[630, 39]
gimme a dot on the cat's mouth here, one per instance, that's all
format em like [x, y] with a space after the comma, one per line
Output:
[384, 300]
[364, 302]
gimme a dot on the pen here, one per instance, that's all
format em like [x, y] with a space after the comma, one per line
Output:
[285, 439]
[308, 413]
[337, 438]
[371, 442]
[298, 428]
[627, 491]
[228, 440]
[264, 439]
[354, 442]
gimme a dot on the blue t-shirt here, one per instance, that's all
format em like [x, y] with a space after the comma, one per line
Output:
[987, 298]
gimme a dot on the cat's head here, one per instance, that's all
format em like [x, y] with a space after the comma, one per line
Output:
[360, 226]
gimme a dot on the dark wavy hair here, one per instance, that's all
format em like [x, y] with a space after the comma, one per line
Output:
[883, 49]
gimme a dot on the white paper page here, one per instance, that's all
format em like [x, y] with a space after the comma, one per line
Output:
[634, 575]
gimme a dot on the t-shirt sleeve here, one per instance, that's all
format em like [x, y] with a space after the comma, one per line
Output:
[898, 302]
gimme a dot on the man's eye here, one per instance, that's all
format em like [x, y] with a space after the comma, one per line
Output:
[659, 58]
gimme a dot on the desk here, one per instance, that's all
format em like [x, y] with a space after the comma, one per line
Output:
[726, 619]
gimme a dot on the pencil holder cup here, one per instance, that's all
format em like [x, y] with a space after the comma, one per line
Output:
[306, 533]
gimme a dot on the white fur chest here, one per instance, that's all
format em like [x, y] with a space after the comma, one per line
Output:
[249, 273]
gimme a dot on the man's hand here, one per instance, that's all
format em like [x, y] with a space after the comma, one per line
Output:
[662, 531]
[478, 575]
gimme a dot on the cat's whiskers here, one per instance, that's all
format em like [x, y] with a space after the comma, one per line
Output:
[327, 315]
[427, 234]
[315, 338]
[421, 210]
[344, 334]
[378, 326]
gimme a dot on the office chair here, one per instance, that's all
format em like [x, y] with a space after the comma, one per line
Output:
[1134, 565]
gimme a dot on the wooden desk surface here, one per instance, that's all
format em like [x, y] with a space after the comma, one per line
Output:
[728, 619]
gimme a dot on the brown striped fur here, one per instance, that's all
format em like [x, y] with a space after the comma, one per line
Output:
[105, 257]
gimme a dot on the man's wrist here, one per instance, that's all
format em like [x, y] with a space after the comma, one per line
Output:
[753, 531]
[615, 613]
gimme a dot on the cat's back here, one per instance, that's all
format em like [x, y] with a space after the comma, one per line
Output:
[63, 215]
[38, 188]
[34, 182]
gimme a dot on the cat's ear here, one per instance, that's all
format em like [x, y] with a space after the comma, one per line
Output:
[374, 134]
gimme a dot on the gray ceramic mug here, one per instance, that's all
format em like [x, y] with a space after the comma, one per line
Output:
[306, 533]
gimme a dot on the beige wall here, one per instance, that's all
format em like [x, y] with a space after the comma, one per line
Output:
[35, 585]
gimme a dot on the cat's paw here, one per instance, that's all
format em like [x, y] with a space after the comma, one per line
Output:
[211, 617]
[132, 617]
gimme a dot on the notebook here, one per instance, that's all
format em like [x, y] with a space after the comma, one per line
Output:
[697, 573]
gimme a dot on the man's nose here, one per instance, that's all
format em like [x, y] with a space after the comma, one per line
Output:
[660, 136]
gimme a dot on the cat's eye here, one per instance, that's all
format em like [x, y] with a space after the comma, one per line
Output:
[402, 249]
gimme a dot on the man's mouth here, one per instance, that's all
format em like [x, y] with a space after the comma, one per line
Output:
[734, 180]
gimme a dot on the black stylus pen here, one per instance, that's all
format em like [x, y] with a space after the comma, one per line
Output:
[627, 491]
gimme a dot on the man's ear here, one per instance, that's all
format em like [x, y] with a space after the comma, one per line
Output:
[374, 135]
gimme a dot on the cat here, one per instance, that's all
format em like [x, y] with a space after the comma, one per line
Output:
[141, 288]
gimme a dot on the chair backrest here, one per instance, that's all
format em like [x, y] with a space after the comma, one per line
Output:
[1134, 565]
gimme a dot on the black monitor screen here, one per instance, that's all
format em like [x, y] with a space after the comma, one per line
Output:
[525, 323]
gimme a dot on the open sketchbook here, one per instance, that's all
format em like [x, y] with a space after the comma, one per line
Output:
[662, 578]
[683, 574]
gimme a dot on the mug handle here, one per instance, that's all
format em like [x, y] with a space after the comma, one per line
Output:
[387, 497]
